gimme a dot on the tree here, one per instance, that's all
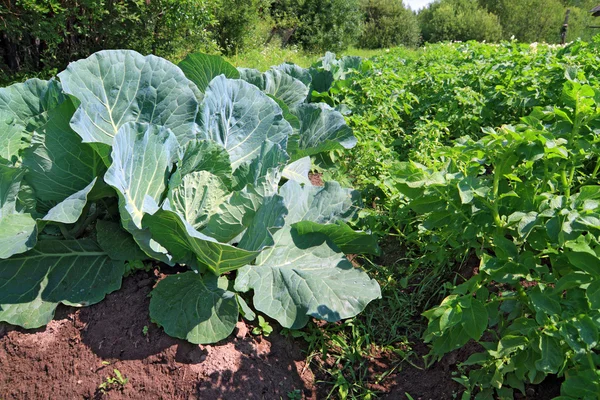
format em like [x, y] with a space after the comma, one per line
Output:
[238, 21]
[529, 20]
[458, 20]
[319, 25]
[388, 23]
[41, 36]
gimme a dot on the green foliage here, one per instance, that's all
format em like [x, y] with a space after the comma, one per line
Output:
[263, 328]
[530, 20]
[521, 200]
[179, 165]
[388, 23]
[524, 20]
[43, 36]
[458, 20]
[525, 199]
[319, 25]
[117, 382]
[262, 58]
[238, 22]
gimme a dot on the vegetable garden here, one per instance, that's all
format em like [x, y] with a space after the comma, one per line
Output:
[478, 163]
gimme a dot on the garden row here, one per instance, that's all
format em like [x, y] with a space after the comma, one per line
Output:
[489, 153]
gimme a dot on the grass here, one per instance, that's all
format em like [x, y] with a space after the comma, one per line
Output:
[364, 53]
[263, 59]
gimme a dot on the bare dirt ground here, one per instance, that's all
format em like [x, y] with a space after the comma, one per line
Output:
[80, 348]
[75, 353]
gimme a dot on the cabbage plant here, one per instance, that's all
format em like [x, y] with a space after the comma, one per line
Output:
[127, 158]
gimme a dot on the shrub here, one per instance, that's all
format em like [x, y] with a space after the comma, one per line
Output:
[319, 25]
[388, 23]
[458, 20]
[39, 36]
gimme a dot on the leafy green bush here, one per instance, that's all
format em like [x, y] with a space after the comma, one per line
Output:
[319, 25]
[130, 158]
[388, 23]
[43, 36]
[526, 200]
[458, 20]
[530, 20]
[239, 24]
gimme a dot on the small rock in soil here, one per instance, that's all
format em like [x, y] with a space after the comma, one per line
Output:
[242, 330]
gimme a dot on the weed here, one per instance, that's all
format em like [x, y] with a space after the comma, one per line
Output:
[263, 328]
[117, 382]
[295, 394]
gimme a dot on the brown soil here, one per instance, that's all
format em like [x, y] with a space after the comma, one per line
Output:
[80, 348]
[69, 358]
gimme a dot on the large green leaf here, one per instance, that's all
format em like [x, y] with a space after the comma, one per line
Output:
[234, 215]
[241, 118]
[23, 108]
[551, 357]
[321, 80]
[323, 205]
[117, 243]
[256, 184]
[195, 308]
[202, 68]
[264, 171]
[295, 280]
[295, 71]
[298, 171]
[198, 197]
[30, 101]
[10, 183]
[342, 236]
[116, 87]
[286, 83]
[192, 248]
[267, 220]
[75, 272]
[58, 163]
[321, 129]
[70, 209]
[584, 259]
[287, 114]
[143, 156]
[474, 318]
[18, 231]
[31, 315]
[252, 76]
[300, 276]
[593, 294]
[13, 136]
[285, 87]
[204, 155]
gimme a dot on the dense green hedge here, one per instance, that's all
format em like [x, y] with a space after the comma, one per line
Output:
[44, 35]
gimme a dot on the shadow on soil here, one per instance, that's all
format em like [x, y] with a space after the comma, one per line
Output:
[80, 349]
